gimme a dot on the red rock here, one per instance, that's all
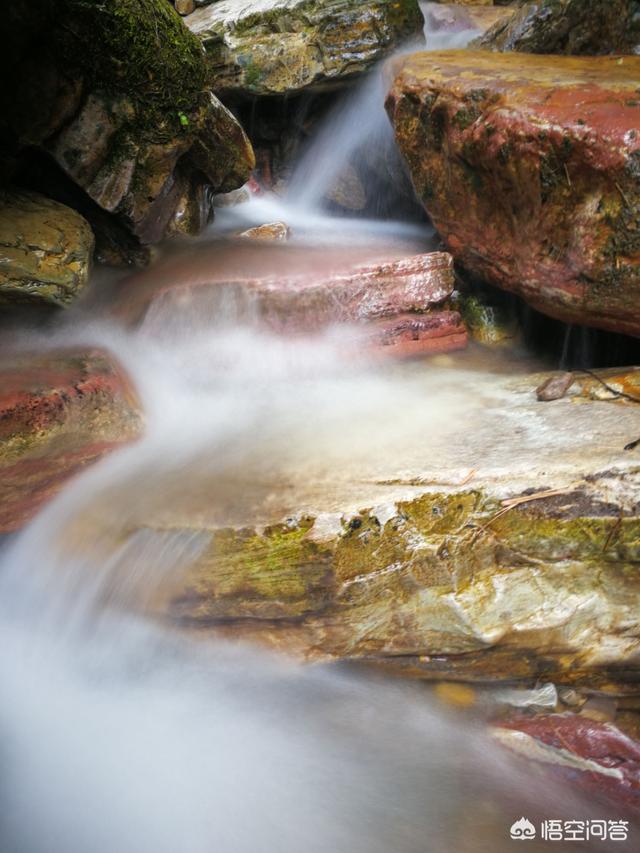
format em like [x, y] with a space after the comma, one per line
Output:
[59, 411]
[530, 169]
[607, 760]
[409, 335]
[301, 291]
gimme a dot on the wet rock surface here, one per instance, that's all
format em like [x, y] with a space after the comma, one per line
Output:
[528, 167]
[45, 250]
[502, 547]
[278, 47]
[132, 122]
[578, 27]
[59, 412]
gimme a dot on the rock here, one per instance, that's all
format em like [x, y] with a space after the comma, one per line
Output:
[272, 231]
[45, 250]
[59, 412]
[555, 387]
[593, 755]
[448, 20]
[185, 7]
[144, 131]
[310, 299]
[410, 335]
[575, 27]
[348, 191]
[529, 169]
[286, 46]
[402, 550]
[488, 325]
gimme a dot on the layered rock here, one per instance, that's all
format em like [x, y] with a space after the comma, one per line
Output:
[502, 546]
[131, 122]
[528, 167]
[588, 27]
[393, 306]
[59, 412]
[279, 47]
[45, 250]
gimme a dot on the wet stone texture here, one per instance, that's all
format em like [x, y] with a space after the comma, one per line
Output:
[59, 411]
[45, 250]
[282, 47]
[530, 169]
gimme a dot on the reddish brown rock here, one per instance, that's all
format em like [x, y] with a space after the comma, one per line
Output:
[594, 755]
[59, 411]
[390, 304]
[409, 335]
[530, 169]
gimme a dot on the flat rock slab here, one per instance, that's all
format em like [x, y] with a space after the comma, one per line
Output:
[530, 169]
[59, 411]
[458, 528]
[395, 306]
[278, 47]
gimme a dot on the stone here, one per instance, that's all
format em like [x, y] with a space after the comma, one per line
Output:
[185, 7]
[498, 544]
[592, 755]
[529, 169]
[59, 412]
[271, 231]
[143, 121]
[310, 300]
[45, 250]
[278, 47]
[575, 27]
[447, 20]
[555, 387]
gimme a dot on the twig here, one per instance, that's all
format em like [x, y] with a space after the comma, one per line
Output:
[510, 503]
[608, 387]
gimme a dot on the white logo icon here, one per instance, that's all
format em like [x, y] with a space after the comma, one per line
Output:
[523, 830]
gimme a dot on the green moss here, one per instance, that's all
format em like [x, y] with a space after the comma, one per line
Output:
[139, 48]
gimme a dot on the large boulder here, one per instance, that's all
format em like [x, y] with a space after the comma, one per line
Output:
[589, 27]
[45, 250]
[500, 543]
[530, 169]
[279, 47]
[59, 411]
[131, 122]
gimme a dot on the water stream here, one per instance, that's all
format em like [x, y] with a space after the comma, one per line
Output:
[119, 734]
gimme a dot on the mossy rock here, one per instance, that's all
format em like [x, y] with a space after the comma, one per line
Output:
[286, 46]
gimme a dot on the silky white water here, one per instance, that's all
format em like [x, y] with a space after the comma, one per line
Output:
[119, 733]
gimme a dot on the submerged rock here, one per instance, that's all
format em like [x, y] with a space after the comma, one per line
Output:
[589, 27]
[281, 47]
[45, 250]
[59, 412]
[529, 169]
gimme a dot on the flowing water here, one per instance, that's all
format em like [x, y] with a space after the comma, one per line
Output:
[119, 734]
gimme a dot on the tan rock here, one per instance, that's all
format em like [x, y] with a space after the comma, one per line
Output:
[285, 46]
[278, 231]
[45, 250]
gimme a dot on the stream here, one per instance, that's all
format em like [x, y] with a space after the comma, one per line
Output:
[122, 732]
